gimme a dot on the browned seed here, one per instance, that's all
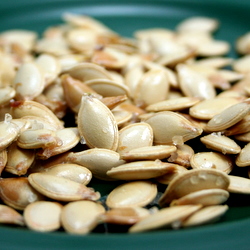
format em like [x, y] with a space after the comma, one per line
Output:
[18, 193]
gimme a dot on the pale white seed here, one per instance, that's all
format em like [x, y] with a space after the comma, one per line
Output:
[228, 117]
[194, 84]
[60, 188]
[132, 194]
[97, 160]
[9, 215]
[167, 124]
[205, 215]
[221, 143]
[106, 87]
[124, 215]
[49, 66]
[145, 93]
[43, 216]
[207, 109]
[135, 136]
[239, 185]
[140, 170]
[29, 81]
[88, 71]
[194, 180]
[164, 217]
[206, 197]
[243, 158]
[201, 24]
[81, 217]
[149, 153]
[97, 125]
[212, 160]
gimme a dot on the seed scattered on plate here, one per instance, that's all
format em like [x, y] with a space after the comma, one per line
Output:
[83, 105]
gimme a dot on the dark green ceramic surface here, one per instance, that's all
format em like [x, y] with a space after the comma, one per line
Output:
[125, 16]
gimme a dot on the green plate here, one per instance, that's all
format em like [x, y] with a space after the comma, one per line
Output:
[125, 16]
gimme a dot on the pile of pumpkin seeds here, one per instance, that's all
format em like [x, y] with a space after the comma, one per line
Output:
[163, 117]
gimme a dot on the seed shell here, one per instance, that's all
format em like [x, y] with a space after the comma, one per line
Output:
[97, 125]
[43, 216]
[165, 217]
[132, 194]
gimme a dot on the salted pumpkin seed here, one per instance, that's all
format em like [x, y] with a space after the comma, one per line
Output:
[20, 109]
[213, 48]
[9, 131]
[241, 65]
[194, 84]
[29, 81]
[182, 155]
[239, 185]
[181, 55]
[25, 38]
[6, 94]
[82, 40]
[173, 104]
[49, 66]
[132, 78]
[221, 143]
[88, 71]
[134, 136]
[240, 127]
[114, 101]
[73, 90]
[35, 122]
[140, 170]
[19, 160]
[43, 216]
[170, 73]
[3, 160]
[97, 125]
[72, 172]
[206, 197]
[43, 165]
[194, 180]
[122, 116]
[166, 217]
[106, 87]
[207, 109]
[149, 153]
[38, 138]
[83, 21]
[61, 189]
[205, 215]
[97, 160]
[85, 219]
[245, 137]
[67, 138]
[130, 194]
[168, 177]
[18, 193]
[110, 57]
[201, 24]
[242, 43]
[8, 215]
[228, 117]
[145, 93]
[243, 159]
[124, 215]
[214, 62]
[212, 160]
[166, 125]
